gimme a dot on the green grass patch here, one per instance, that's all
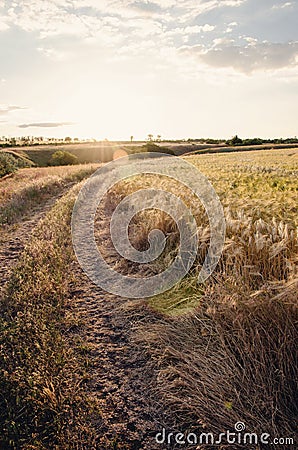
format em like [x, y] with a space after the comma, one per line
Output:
[181, 299]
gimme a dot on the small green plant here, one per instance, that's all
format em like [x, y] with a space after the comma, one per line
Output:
[61, 158]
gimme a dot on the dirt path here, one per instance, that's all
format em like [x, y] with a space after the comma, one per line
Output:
[14, 237]
[122, 375]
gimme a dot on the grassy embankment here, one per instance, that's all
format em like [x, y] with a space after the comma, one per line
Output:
[30, 188]
[103, 151]
[86, 153]
[42, 404]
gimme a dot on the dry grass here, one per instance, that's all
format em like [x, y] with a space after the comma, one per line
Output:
[32, 187]
[42, 403]
[226, 351]
[259, 194]
[225, 363]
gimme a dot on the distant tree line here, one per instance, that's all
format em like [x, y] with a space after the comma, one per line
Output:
[9, 142]
[258, 141]
[29, 141]
[236, 140]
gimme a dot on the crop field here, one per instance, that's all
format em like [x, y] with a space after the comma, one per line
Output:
[85, 369]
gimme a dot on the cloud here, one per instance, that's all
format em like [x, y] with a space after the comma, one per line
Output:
[199, 28]
[7, 109]
[248, 58]
[283, 5]
[45, 125]
[52, 53]
[63, 30]
[144, 6]
[85, 18]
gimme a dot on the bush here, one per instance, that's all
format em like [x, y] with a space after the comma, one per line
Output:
[235, 141]
[61, 158]
[7, 164]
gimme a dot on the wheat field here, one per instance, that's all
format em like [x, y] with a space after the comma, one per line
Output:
[210, 354]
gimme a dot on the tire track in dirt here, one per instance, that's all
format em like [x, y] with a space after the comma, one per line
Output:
[121, 374]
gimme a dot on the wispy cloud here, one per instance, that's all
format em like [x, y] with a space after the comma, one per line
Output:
[45, 125]
[282, 5]
[4, 110]
[3, 25]
[147, 7]
[120, 25]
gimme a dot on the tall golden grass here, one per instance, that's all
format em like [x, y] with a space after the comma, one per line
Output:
[225, 351]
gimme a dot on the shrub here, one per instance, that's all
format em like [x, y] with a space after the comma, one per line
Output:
[61, 158]
[11, 162]
[7, 164]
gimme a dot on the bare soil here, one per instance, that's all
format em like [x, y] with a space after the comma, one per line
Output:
[122, 376]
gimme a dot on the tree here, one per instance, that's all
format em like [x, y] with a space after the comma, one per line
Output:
[150, 137]
[158, 138]
[131, 138]
[68, 139]
[235, 140]
[61, 158]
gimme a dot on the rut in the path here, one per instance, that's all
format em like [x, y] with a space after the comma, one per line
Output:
[121, 376]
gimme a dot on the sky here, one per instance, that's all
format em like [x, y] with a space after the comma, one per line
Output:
[176, 68]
